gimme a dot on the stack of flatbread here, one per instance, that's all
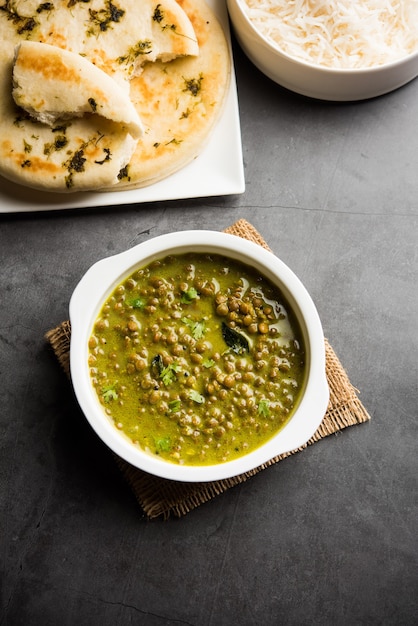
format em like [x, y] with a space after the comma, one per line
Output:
[107, 94]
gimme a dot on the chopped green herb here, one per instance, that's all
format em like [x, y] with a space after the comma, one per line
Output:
[264, 408]
[197, 328]
[189, 295]
[72, 3]
[185, 114]
[21, 118]
[158, 15]
[77, 161]
[139, 49]
[194, 85]
[102, 19]
[29, 24]
[196, 396]
[92, 102]
[168, 375]
[172, 27]
[45, 6]
[109, 394]
[175, 141]
[24, 23]
[124, 173]
[174, 406]
[163, 444]
[107, 157]
[60, 142]
[207, 363]
[138, 303]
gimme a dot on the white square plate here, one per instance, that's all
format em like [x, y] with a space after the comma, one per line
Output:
[217, 171]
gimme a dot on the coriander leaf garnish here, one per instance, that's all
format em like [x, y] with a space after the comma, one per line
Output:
[196, 396]
[163, 444]
[106, 158]
[194, 85]
[109, 394]
[102, 18]
[207, 363]
[76, 163]
[124, 173]
[189, 295]
[139, 49]
[45, 6]
[174, 406]
[264, 408]
[158, 14]
[168, 373]
[138, 303]
[198, 329]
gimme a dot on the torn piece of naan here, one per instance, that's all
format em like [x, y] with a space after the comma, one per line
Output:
[52, 84]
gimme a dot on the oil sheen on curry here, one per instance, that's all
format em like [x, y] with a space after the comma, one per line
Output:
[197, 358]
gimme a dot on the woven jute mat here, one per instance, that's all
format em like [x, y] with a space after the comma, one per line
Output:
[159, 497]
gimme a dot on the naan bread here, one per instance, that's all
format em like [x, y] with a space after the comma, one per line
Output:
[116, 35]
[53, 84]
[180, 102]
[171, 60]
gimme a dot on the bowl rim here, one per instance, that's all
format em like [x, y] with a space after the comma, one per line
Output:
[99, 281]
[274, 47]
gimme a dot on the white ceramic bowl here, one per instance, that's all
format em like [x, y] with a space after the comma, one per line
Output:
[98, 283]
[311, 80]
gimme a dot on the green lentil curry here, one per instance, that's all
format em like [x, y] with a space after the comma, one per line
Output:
[197, 358]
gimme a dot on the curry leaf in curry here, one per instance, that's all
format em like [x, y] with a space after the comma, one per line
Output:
[157, 365]
[235, 340]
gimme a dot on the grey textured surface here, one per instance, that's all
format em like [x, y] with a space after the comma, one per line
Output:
[326, 537]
